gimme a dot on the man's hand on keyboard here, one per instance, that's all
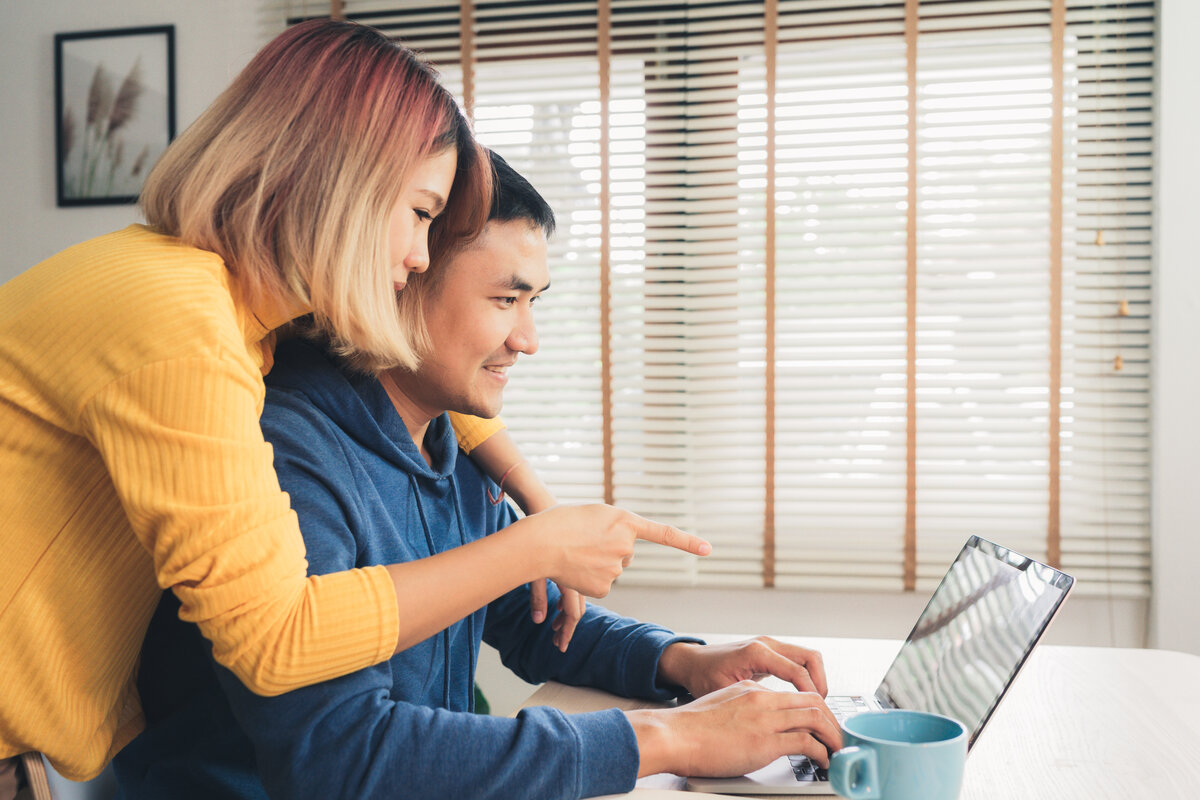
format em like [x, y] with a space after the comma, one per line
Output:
[733, 731]
[702, 669]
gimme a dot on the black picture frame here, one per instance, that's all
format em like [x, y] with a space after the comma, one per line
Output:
[114, 111]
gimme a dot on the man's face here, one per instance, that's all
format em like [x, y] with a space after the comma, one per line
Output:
[481, 318]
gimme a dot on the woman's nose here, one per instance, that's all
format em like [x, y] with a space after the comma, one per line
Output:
[417, 259]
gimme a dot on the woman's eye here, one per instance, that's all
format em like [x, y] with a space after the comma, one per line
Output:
[422, 214]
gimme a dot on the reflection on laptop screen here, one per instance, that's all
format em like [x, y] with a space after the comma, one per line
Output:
[975, 633]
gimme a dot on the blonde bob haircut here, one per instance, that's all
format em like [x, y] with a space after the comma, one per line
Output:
[292, 173]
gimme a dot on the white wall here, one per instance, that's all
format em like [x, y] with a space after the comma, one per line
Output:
[213, 40]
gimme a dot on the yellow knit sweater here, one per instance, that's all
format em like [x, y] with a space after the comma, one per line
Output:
[131, 460]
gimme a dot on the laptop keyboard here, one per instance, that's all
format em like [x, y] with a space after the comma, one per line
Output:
[846, 706]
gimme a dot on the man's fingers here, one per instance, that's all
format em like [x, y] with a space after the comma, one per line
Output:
[815, 719]
[815, 666]
[669, 536]
[809, 659]
[812, 667]
[826, 728]
[799, 743]
[785, 668]
[807, 711]
[563, 637]
[572, 603]
[537, 600]
[571, 607]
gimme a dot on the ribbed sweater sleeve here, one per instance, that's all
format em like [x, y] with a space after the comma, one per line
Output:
[181, 442]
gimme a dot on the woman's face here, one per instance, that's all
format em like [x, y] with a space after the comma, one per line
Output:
[421, 199]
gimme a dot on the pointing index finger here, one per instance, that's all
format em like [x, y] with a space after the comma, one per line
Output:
[669, 536]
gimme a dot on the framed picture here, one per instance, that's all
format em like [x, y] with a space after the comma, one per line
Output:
[114, 101]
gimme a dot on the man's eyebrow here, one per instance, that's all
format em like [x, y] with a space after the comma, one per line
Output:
[515, 283]
[436, 201]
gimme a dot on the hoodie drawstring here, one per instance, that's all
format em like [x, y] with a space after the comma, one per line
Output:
[416, 492]
[429, 544]
[456, 502]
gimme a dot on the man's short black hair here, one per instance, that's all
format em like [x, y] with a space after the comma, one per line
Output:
[514, 198]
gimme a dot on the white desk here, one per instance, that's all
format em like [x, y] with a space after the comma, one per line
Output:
[1086, 723]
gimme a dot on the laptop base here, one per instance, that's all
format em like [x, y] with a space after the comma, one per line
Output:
[774, 778]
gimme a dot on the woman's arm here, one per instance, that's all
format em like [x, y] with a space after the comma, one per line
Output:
[181, 443]
[585, 547]
[500, 459]
[580, 546]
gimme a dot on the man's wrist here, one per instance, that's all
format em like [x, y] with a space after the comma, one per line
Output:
[654, 740]
[675, 664]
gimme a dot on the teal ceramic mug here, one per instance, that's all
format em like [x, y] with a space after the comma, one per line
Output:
[900, 755]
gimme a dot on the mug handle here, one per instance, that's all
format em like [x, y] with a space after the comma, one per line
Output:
[845, 763]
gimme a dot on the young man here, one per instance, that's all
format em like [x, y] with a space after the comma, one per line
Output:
[375, 475]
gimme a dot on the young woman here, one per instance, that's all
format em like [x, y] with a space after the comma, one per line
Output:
[131, 383]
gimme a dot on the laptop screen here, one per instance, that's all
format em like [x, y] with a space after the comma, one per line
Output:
[974, 635]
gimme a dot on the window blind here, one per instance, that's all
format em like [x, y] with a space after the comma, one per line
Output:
[1107, 277]
[836, 283]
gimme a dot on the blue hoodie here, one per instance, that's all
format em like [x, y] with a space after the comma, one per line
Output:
[365, 496]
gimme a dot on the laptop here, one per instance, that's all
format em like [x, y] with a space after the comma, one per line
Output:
[975, 634]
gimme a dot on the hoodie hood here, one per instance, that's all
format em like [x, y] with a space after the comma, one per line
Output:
[359, 405]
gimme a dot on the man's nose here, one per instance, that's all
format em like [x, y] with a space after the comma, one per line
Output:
[524, 338]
